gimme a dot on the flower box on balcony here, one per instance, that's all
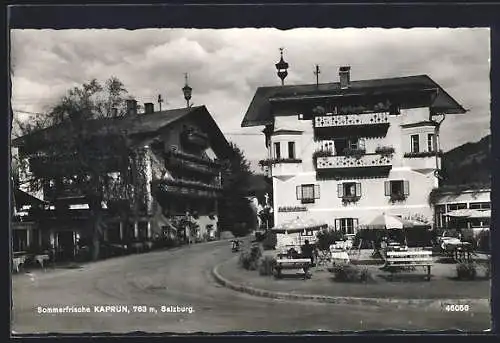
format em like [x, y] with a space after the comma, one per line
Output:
[423, 154]
[292, 209]
[350, 199]
[273, 161]
[322, 153]
[356, 153]
[397, 197]
[384, 150]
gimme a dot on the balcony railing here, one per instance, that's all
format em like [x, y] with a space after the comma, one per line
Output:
[347, 162]
[195, 138]
[188, 188]
[351, 119]
[198, 167]
[194, 158]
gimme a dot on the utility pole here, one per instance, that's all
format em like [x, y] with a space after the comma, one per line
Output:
[317, 72]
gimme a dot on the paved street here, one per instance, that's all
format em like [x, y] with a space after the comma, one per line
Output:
[183, 277]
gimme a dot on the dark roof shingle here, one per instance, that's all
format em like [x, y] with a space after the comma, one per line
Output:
[259, 111]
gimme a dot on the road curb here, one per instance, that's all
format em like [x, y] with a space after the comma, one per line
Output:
[436, 303]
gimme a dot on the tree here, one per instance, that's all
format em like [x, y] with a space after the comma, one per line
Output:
[235, 211]
[83, 146]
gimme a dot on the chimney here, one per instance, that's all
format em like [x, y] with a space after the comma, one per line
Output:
[131, 107]
[149, 107]
[345, 77]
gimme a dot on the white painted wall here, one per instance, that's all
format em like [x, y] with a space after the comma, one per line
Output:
[419, 172]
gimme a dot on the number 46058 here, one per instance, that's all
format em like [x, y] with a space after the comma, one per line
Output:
[457, 308]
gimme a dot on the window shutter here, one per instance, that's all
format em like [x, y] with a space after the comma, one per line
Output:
[355, 224]
[406, 187]
[299, 192]
[340, 190]
[337, 224]
[361, 143]
[316, 191]
[358, 189]
[387, 187]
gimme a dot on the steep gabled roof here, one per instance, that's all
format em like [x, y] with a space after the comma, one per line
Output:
[144, 125]
[259, 111]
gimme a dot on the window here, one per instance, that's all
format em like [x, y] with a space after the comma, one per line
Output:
[415, 146]
[349, 190]
[347, 226]
[480, 205]
[307, 193]
[430, 142]
[480, 222]
[397, 188]
[454, 207]
[277, 151]
[291, 150]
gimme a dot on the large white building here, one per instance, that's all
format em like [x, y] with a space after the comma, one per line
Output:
[348, 151]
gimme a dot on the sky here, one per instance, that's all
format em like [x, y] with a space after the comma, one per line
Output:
[226, 66]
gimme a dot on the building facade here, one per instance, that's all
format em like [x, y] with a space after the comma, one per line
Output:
[448, 202]
[175, 168]
[348, 151]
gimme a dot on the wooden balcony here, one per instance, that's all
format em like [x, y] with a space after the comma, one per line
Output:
[363, 124]
[366, 165]
[195, 138]
[187, 189]
[180, 163]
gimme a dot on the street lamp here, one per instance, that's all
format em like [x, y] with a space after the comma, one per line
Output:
[187, 90]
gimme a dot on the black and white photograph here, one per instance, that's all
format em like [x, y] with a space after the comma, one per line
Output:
[187, 180]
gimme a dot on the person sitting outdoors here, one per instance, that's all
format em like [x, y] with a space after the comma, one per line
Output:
[308, 251]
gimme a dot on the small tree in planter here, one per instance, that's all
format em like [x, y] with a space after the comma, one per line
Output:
[466, 271]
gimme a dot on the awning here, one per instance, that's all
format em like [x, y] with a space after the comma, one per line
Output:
[469, 213]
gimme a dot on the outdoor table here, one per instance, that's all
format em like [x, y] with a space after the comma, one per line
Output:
[340, 257]
[17, 261]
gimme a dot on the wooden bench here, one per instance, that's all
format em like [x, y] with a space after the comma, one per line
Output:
[402, 259]
[303, 264]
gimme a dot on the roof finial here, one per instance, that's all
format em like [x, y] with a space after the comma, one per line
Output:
[282, 67]
[187, 90]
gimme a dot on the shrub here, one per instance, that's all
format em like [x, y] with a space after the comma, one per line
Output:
[249, 259]
[266, 266]
[350, 273]
[466, 271]
[325, 238]
[269, 241]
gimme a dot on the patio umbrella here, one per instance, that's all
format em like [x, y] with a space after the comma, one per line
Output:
[299, 224]
[385, 221]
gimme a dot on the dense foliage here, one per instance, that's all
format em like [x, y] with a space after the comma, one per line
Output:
[81, 151]
[235, 211]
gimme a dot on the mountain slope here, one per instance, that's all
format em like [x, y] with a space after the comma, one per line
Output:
[467, 164]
